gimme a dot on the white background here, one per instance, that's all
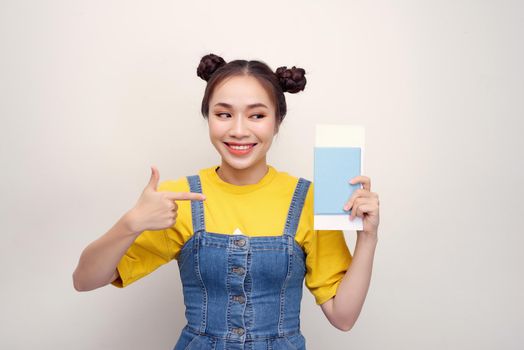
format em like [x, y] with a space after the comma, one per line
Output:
[94, 92]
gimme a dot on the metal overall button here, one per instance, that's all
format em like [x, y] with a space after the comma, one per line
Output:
[240, 242]
[239, 331]
[239, 270]
[240, 298]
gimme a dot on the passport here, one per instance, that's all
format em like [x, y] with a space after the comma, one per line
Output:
[334, 167]
[338, 157]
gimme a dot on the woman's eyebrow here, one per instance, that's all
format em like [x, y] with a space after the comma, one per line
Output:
[227, 105]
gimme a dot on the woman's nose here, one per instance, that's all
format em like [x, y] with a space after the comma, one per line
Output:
[239, 127]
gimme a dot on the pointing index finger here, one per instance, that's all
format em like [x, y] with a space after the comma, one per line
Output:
[186, 196]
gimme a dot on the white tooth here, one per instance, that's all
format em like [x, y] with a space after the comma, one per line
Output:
[241, 147]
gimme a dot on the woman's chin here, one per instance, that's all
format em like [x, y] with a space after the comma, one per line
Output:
[239, 164]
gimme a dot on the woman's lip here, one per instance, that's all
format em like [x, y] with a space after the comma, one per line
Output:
[239, 144]
[240, 151]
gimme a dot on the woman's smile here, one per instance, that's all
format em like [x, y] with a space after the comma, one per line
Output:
[239, 148]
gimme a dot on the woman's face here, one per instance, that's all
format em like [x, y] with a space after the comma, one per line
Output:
[242, 121]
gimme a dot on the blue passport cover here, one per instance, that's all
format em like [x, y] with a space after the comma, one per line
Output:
[333, 168]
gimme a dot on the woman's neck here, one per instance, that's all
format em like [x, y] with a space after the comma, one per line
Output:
[240, 177]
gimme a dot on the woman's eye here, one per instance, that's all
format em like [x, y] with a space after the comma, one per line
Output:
[222, 114]
[260, 116]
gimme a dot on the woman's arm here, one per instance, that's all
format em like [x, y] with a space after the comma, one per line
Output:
[344, 308]
[154, 210]
[98, 262]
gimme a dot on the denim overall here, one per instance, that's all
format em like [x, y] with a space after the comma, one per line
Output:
[242, 292]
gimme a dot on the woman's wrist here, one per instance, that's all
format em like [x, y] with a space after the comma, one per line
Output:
[367, 237]
[128, 224]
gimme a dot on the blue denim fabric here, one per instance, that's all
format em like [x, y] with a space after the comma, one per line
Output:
[242, 292]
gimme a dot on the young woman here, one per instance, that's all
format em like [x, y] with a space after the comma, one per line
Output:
[242, 231]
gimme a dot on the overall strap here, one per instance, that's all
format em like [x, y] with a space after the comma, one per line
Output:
[295, 209]
[197, 207]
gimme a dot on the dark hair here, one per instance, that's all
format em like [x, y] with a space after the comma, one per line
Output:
[214, 69]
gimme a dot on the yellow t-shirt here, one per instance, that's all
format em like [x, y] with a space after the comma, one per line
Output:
[256, 210]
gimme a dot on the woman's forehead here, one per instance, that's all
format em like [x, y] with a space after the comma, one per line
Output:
[240, 91]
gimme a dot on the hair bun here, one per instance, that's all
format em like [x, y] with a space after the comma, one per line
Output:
[208, 65]
[291, 80]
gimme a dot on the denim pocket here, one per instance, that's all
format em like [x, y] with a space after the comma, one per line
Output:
[297, 341]
[192, 341]
[201, 342]
[294, 342]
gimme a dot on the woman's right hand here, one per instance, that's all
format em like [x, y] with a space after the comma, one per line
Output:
[157, 210]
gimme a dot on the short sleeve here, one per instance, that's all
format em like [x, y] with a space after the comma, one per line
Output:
[150, 250]
[327, 255]
[327, 260]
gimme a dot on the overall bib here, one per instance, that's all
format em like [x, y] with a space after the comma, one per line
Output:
[242, 292]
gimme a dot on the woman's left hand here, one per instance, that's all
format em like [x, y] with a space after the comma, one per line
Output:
[365, 204]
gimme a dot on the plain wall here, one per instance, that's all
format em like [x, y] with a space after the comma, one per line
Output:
[94, 92]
